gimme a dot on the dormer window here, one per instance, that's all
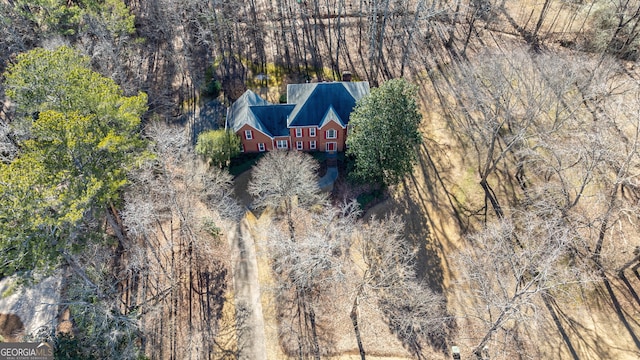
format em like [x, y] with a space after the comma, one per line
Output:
[331, 134]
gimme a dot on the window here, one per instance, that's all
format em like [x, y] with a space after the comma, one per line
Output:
[312, 132]
[312, 145]
[299, 145]
[331, 134]
[260, 146]
[282, 144]
[242, 148]
[298, 132]
[248, 135]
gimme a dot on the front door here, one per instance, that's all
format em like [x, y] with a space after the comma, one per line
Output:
[331, 146]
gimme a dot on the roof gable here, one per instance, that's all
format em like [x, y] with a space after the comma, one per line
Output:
[239, 113]
[330, 116]
[314, 100]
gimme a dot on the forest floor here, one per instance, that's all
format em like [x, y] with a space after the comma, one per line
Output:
[379, 342]
[600, 324]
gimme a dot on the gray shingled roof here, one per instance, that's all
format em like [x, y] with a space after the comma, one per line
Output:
[314, 100]
[240, 114]
[274, 117]
[308, 104]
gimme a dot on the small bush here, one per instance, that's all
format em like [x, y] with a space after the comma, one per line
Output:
[212, 86]
[213, 89]
[369, 198]
[243, 162]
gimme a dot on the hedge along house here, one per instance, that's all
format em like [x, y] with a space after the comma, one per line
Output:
[315, 118]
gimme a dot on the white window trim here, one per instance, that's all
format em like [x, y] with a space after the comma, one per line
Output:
[335, 134]
[286, 144]
[335, 146]
[261, 147]
[312, 145]
[299, 132]
[248, 135]
[299, 145]
[312, 132]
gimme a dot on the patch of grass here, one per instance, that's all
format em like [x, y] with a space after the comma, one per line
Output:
[243, 162]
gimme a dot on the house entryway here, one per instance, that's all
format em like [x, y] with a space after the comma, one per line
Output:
[326, 182]
[331, 147]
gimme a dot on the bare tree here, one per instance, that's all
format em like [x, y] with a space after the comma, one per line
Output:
[512, 267]
[284, 180]
[309, 270]
[176, 261]
[387, 279]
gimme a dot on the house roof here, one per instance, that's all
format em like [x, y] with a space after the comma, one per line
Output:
[240, 114]
[273, 117]
[314, 100]
[311, 104]
[331, 115]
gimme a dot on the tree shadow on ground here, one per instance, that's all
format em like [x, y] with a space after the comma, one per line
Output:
[431, 221]
[209, 116]
[630, 324]
[296, 331]
[583, 336]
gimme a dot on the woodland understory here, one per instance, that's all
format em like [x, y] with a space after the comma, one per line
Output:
[521, 215]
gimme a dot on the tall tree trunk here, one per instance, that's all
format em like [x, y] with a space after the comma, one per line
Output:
[354, 321]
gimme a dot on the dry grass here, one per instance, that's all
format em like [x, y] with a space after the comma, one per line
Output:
[436, 202]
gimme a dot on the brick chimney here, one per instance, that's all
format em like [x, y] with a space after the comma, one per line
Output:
[346, 76]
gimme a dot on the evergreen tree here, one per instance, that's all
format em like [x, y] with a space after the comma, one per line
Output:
[385, 133]
[78, 137]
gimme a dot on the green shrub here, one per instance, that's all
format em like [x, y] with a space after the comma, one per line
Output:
[212, 87]
[367, 198]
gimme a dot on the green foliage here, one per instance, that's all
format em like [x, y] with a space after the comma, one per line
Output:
[244, 162]
[212, 86]
[61, 80]
[218, 146]
[385, 133]
[367, 198]
[212, 89]
[70, 17]
[211, 228]
[81, 137]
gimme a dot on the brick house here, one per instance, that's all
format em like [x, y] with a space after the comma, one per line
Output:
[315, 118]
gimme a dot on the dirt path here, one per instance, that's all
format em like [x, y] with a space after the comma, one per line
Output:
[247, 291]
